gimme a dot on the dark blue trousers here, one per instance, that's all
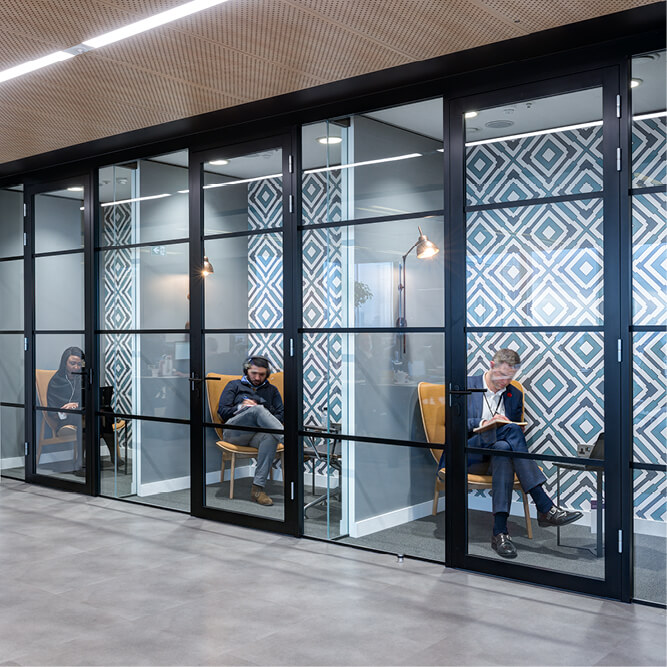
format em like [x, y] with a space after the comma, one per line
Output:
[508, 438]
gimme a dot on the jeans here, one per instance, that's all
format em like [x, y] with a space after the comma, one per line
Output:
[266, 443]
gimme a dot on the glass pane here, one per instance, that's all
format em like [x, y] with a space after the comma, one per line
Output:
[528, 149]
[552, 384]
[11, 222]
[225, 353]
[59, 292]
[367, 383]
[649, 127]
[535, 265]
[12, 357]
[144, 200]
[368, 275]
[373, 495]
[148, 374]
[229, 482]
[243, 193]
[59, 219]
[156, 463]
[649, 397]
[12, 437]
[245, 289]
[385, 162]
[145, 288]
[650, 535]
[11, 295]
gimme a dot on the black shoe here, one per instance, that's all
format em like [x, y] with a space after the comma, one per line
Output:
[80, 472]
[557, 517]
[503, 545]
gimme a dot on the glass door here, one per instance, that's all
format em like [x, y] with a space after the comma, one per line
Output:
[241, 384]
[539, 344]
[58, 369]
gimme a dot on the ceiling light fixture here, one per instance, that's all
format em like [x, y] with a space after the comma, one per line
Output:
[151, 22]
[128, 201]
[537, 133]
[362, 164]
[647, 116]
[32, 65]
[241, 180]
[470, 114]
[75, 188]
[218, 163]
[635, 83]
[329, 140]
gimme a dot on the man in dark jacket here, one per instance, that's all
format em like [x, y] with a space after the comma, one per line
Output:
[252, 401]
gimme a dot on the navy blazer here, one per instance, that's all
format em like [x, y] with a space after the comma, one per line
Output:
[512, 400]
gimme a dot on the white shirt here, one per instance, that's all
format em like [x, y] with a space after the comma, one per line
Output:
[489, 402]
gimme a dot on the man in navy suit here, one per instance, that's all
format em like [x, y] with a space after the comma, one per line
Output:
[500, 404]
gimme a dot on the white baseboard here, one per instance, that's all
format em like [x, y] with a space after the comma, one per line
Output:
[12, 462]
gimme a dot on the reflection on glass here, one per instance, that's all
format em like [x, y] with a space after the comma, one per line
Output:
[373, 495]
[243, 194]
[387, 162]
[11, 294]
[225, 353]
[11, 222]
[144, 200]
[354, 276]
[650, 536]
[59, 219]
[144, 288]
[155, 465]
[544, 147]
[365, 384]
[59, 292]
[11, 368]
[12, 437]
[246, 290]
[147, 374]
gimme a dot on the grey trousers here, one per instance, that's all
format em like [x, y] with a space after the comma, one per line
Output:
[266, 443]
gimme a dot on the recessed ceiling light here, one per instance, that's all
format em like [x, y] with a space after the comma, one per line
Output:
[75, 188]
[470, 114]
[218, 163]
[329, 140]
[152, 22]
[499, 124]
[635, 83]
[32, 65]
[472, 129]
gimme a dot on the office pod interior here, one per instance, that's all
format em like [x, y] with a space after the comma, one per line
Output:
[374, 295]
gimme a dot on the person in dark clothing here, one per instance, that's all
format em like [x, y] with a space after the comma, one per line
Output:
[253, 401]
[64, 392]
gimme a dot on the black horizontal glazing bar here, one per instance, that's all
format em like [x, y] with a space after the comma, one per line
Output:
[568, 460]
[14, 258]
[74, 251]
[146, 418]
[145, 244]
[377, 441]
[140, 331]
[249, 232]
[368, 221]
[648, 191]
[14, 332]
[657, 467]
[399, 330]
[649, 327]
[533, 329]
[58, 332]
[250, 429]
[7, 404]
[537, 201]
[243, 331]
[45, 408]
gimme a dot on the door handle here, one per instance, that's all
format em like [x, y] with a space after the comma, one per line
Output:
[465, 392]
[194, 379]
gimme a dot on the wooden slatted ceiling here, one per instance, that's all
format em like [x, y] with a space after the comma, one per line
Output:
[241, 51]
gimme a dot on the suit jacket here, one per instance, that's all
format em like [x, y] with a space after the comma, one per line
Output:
[512, 400]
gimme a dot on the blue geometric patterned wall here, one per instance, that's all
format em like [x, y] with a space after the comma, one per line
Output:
[549, 165]
[649, 152]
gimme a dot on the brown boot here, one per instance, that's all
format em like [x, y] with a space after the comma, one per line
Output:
[257, 495]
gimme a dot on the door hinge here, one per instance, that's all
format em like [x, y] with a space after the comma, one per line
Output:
[25, 239]
[290, 164]
[291, 203]
[620, 541]
[25, 449]
[618, 106]
[619, 350]
[291, 490]
[618, 159]
[25, 343]
[291, 347]
[25, 210]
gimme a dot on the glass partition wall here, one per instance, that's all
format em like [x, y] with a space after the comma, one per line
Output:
[12, 397]
[649, 320]
[372, 246]
[143, 330]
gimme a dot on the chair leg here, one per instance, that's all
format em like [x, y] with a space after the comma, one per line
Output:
[526, 511]
[39, 453]
[222, 469]
[231, 481]
[435, 498]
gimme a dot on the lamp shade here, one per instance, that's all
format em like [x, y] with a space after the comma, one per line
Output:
[207, 268]
[425, 248]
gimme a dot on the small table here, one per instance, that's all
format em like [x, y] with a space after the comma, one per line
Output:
[322, 452]
[598, 495]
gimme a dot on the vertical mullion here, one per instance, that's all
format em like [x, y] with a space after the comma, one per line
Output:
[29, 327]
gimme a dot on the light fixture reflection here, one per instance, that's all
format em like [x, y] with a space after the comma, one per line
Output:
[218, 163]
[635, 83]
[330, 140]
[470, 114]
[207, 267]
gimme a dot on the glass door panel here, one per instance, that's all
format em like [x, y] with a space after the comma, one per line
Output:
[535, 333]
[241, 288]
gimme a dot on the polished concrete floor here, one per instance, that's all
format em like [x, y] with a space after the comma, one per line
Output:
[92, 581]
